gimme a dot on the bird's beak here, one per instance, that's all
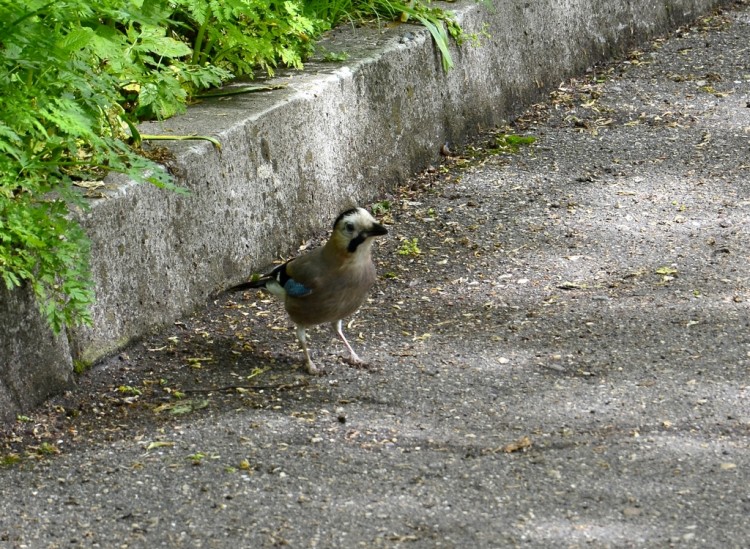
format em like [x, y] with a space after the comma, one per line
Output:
[377, 230]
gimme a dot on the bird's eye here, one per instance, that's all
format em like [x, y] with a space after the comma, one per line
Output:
[350, 227]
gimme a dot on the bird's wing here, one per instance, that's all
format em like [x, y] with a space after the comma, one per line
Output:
[296, 289]
[298, 277]
[303, 276]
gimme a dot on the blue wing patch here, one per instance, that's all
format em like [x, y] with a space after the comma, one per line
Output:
[295, 289]
[291, 286]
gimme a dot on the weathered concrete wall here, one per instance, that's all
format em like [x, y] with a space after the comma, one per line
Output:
[34, 364]
[337, 135]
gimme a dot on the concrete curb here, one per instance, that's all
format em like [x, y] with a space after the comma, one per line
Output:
[292, 158]
[35, 364]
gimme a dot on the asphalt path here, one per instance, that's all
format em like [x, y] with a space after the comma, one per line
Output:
[560, 359]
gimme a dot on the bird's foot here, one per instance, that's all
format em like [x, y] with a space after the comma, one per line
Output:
[356, 362]
[313, 370]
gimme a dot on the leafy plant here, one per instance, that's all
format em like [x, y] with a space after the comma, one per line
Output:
[150, 63]
[59, 116]
[196, 458]
[409, 247]
[332, 11]
[129, 390]
[432, 19]
[511, 143]
[381, 208]
[9, 460]
[335, 57]
[46, 449]
[242, 36]
[441, 24]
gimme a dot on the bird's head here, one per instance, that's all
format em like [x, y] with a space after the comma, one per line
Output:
[353, 229]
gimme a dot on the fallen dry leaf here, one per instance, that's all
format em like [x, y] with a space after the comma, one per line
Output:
[520, 444]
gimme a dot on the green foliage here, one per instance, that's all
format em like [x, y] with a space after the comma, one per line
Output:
[46, 449]
[149, 62]
[335, 57]
[129, 390]
[440, 23]
[242, 36]
[9, 460]
[432, 19]
[511, 143]
[196, 458]
[333, 11]
[60, 120]
[409, 247]
[382, 207]
[80, 366]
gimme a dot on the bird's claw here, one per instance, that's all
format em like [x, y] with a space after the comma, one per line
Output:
[356, 362]
[313, 370]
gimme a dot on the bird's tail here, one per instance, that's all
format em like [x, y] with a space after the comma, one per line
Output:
[255, 282]
[271, 281]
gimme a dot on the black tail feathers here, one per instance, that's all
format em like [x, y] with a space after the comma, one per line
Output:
[250, 284]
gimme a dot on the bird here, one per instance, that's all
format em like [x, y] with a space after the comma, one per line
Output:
[328, 283]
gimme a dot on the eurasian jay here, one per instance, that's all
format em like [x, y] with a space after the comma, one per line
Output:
[328, 283]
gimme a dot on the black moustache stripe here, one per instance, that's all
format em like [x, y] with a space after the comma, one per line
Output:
[355, 242]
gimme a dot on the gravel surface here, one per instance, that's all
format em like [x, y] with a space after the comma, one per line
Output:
[565, 363]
